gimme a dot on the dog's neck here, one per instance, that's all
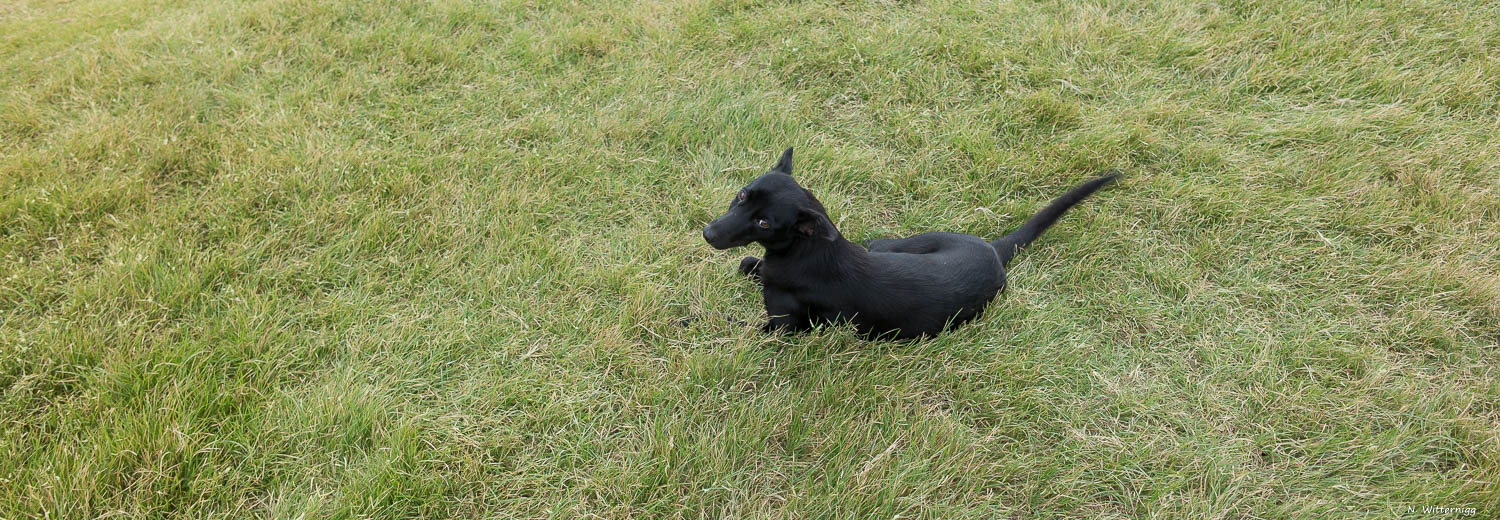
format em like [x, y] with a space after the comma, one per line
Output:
[821, 258]
[806, 247]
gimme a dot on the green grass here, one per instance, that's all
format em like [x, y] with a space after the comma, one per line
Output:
[312, 259]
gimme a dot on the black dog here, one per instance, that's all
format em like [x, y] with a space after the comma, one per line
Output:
[901, 288]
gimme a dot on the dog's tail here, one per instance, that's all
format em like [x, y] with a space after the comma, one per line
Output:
[1008, 245]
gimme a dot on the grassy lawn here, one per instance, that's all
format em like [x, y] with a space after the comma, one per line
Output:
[426, 259]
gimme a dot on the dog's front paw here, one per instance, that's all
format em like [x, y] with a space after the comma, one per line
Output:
[750, 266]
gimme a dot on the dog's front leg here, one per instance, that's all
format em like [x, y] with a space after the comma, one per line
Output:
[750, 266]
[790, 324]
[786, 312]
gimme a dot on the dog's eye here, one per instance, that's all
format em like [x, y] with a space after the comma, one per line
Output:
[742, 196]
[763, 223]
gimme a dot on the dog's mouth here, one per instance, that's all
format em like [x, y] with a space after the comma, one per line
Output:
[715, 241]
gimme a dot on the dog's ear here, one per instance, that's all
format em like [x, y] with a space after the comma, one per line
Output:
[814, 224]
[785, 164]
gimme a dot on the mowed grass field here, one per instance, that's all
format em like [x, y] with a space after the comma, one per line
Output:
[347, 259]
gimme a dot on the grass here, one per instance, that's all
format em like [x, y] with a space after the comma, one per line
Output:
[340, 259]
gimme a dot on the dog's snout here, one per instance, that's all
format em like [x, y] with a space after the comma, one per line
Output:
[715, 236]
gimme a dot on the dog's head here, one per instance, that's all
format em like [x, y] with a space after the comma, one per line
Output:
[772, 210]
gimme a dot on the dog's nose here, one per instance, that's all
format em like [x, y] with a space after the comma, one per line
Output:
[709, 235]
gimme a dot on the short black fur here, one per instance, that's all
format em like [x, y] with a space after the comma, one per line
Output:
[900, 288]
